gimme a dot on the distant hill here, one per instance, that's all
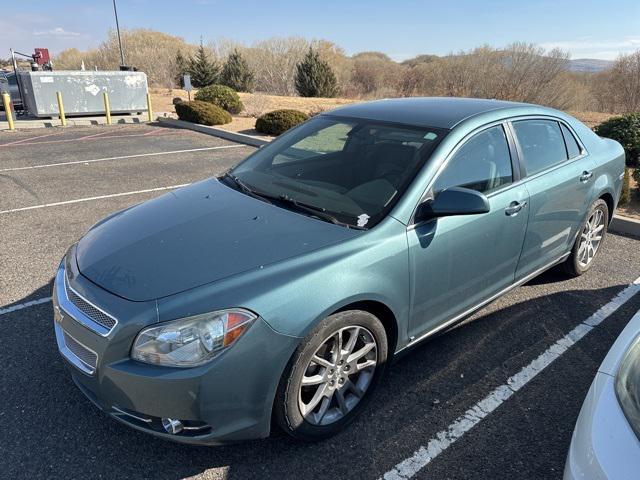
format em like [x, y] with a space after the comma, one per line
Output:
[589, 65]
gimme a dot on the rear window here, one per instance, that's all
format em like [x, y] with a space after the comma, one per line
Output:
[542, 144]
[573, 149]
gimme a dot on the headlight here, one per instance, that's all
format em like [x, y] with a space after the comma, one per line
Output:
[191, 341]
[628, 386]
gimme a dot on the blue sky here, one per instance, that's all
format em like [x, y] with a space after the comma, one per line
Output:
[402, 29]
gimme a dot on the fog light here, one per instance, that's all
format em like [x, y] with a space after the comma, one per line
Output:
[172, 426]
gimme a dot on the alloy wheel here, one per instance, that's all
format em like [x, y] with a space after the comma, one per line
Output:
[338, 375]
[590, 238]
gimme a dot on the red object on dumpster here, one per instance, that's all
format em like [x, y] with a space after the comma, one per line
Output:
[41, 56]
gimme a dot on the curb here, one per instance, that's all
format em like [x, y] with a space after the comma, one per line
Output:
[216, 132]
[625, 225]
[72, 122]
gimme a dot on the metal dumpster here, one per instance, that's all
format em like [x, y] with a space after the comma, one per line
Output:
[82, 92]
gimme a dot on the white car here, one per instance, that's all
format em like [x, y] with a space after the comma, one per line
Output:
[606, 439]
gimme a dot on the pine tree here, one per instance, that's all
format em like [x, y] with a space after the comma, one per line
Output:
[314, 77]
[203, 71]
[236, 73]
[182, 67]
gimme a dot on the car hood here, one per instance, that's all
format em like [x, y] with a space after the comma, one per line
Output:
[192, 236]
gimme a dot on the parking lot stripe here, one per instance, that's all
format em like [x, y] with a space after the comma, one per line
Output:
[21, 306]
[159, 132]
[77, 162]
[88, 199]
[472, 417]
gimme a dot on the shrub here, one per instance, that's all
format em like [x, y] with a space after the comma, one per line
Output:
[236, 73]
[279, 121]
[222, 96]
[314, 77]
[177, 100]
[636, 176]
[626, 130]
[202, 112]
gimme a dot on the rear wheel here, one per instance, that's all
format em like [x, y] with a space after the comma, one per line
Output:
[589, 239]
[332, 375]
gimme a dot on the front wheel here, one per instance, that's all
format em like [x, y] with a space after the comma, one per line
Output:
[589, 239]
[331, 375]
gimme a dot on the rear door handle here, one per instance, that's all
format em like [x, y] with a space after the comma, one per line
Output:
[514, 207]
[586, 175]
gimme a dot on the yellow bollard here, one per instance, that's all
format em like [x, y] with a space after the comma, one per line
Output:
[107, 107]
[6, 100]
[149, 109]
[63, 119]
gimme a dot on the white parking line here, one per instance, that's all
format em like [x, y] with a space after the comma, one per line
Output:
[21, 306]
[445, 438]
[77, 162]
[87, 199]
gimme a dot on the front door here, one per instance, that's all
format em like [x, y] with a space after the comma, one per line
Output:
[457, 262]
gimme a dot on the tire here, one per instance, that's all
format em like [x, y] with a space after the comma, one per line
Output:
[575, 265]
[347, 386]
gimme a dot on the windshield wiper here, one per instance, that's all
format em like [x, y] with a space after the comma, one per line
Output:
[316, 211]
[309, 209]
[246, 188]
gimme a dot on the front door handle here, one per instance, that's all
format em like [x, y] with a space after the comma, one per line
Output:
[586, 175]
[514, 207]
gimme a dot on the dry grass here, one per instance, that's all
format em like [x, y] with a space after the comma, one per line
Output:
[258, 103]
[591, 119]
[632, 209]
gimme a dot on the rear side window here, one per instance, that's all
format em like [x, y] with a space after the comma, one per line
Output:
[542, 144]
[573, 149]
[483, 163]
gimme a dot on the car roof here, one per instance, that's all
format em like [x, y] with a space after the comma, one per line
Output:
[439, 112]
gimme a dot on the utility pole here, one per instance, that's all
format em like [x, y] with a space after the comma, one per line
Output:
[115, 11]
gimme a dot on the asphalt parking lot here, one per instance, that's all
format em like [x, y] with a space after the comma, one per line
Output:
[55, 185]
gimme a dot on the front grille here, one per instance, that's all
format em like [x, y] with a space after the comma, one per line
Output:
[94, 313]
[86, 356]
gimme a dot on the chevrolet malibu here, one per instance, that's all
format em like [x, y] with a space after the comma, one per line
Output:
[282, 289]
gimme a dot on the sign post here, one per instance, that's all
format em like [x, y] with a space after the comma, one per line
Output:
[186, 84]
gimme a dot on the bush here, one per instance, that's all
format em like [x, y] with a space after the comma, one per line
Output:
[314, 77]
[236, 73]
[222, 96]
[177, 100]
[202, 112]
[279, 121]
[626, 130]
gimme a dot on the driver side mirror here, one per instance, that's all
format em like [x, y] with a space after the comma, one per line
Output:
[453, 201]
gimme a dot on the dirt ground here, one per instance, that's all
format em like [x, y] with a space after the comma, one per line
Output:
[258, 103]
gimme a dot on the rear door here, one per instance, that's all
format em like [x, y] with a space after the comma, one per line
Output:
[558, 176]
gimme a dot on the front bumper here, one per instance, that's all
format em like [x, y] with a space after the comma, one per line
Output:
[231, 397]
[603, 445]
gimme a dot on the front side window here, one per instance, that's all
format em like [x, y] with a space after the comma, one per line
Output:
[483, 163]
[542, 144]
[350, 171]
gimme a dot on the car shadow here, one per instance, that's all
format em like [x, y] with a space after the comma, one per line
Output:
[50, 430]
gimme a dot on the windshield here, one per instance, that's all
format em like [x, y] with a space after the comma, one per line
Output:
[345, 170]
